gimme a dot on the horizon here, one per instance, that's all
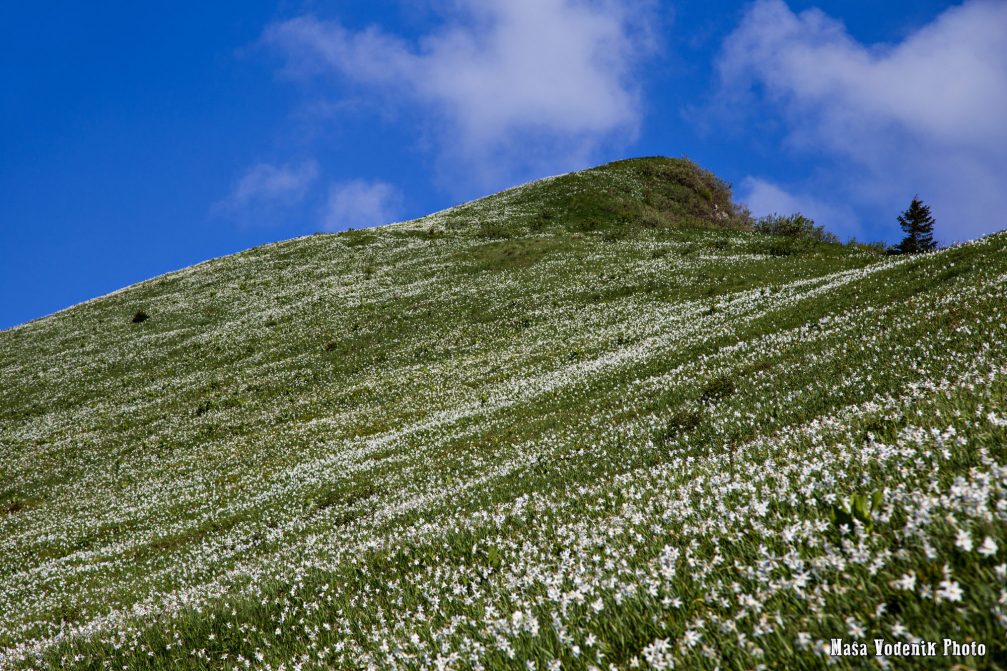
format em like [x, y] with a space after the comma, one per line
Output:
[141, 141]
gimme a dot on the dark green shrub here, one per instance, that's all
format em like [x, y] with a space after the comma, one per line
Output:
[718, 388]
[785, 246]
[872, 247]
[344, 494]
[494, 229]
[140, 316]
[794, 226]
[537, 225]
[13, 506]
[680, 423]
[353, 238]
[617, 233]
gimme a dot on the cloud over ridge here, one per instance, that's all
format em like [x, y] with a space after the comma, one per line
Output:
[359, 204]
[268, 184]
[503, 82]
[924, 114]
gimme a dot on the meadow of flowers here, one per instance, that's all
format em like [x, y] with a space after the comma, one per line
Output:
[498, 438]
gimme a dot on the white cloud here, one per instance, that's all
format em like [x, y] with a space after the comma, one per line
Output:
[506, 83]
[359, 204]
[765, 197]
[267, 184]
[923, 115]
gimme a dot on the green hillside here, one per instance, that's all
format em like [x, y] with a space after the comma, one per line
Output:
[586, 422]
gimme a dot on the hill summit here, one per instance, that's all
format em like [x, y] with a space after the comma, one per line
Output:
[616, 199]
[587, 422]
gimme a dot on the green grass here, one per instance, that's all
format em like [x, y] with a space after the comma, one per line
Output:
[592, 421]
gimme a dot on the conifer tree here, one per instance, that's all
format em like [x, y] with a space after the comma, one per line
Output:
[918, 224]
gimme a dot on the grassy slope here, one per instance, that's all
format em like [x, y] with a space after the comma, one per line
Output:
[560, 423]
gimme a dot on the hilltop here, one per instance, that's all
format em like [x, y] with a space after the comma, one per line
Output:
[591, 420]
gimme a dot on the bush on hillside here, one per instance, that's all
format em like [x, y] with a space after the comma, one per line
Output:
[794, 226]
[876, 247]
[494, 229]
[140, 316]
[682, 422]
[718, 388]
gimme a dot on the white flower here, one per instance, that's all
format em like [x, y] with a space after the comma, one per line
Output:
[803, 640]
[658, 654]
[988, 548]
[907, 582]
[964, 541]
[671, 601]
[949, 590]
[854, 628]
[995, 420]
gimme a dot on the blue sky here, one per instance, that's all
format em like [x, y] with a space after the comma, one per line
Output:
[138, 138]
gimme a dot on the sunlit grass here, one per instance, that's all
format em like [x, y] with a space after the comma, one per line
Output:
[542, 430]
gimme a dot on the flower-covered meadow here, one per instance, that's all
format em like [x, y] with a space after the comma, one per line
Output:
[489, 439]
